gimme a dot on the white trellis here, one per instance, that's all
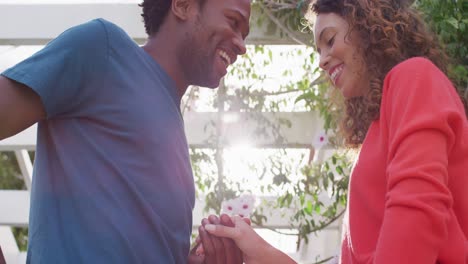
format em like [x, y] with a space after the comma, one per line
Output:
[36, 24]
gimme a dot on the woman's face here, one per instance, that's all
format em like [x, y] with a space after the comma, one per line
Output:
[339, 55]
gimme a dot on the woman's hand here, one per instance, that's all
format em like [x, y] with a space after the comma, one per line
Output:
[254, 248]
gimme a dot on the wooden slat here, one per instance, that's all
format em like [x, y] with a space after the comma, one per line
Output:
[200, 128]
[14, 208]
[37, 24]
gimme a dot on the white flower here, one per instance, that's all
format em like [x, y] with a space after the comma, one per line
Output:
[320, 140]
[242, 206]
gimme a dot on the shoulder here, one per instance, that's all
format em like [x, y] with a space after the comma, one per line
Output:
[108, 26]
[86, 36]
[113, 31]
[94, 30]
[415, 72]
[92, 38]
[415, 66]
[95, 27]
[415, 61]
[418, 82]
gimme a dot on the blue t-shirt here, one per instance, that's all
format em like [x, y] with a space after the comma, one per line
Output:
[112, 177]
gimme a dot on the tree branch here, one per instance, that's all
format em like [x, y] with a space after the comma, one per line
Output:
[280, 25]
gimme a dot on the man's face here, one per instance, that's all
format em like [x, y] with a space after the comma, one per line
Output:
[218, 37]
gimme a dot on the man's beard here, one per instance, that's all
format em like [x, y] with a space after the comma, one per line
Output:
[198, 59]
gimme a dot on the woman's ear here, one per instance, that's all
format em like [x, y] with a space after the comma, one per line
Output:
[182, 8]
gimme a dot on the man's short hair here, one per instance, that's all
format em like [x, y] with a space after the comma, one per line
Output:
[154, 13]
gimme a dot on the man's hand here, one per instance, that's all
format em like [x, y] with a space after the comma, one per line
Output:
[195, 258]
[216, 249]
[210, 249]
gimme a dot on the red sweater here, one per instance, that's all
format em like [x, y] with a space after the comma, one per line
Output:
[408, 193]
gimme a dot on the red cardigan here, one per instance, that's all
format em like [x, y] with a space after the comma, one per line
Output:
[408, 193]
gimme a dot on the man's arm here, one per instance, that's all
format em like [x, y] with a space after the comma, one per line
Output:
[20, 107]
[2, 258]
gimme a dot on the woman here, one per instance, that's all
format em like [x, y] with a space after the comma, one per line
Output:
[407, 194]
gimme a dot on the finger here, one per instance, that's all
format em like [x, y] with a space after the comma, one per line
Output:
[218, 243]
[238, 220]
[213, 219]
[205, 222]
[229, 220]
[194, 259]
[226, 220]
[210, 256]
[233, 253]
[196, 245]
[200, 250]
[222, 231]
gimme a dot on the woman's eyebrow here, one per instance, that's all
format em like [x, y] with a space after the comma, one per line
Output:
[323, 32]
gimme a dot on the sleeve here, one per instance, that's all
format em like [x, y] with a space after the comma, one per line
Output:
[61, 73]
[420, 110]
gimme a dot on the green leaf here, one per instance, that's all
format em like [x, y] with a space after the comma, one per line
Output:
[339, 169]
[308, 209]
[304, 96]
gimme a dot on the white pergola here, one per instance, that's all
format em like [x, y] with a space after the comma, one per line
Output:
[36, 24]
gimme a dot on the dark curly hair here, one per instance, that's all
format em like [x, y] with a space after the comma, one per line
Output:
[390, 31]
[154, 13]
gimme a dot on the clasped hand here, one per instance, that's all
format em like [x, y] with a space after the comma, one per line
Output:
[210, 249]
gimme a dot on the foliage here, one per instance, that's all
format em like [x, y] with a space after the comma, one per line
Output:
[285, 18]
[21, 236]
[321, 193]
[449, 20]
[10, 176]
[11, 179]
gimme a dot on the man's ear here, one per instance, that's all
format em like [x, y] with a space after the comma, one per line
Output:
[183, 8]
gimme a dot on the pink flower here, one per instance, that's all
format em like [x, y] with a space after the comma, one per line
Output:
[242, 206]
[320, 140]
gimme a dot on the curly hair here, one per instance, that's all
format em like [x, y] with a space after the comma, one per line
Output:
[154, 13]
[389, 31]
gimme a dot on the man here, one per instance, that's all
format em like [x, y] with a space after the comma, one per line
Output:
[112, 181]
[2, 258]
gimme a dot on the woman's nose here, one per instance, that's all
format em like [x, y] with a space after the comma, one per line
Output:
[324, 61]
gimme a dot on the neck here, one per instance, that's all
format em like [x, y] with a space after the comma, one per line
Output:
[162, 49]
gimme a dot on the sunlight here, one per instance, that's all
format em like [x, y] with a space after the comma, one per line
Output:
[231, 117]
[237, 159]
